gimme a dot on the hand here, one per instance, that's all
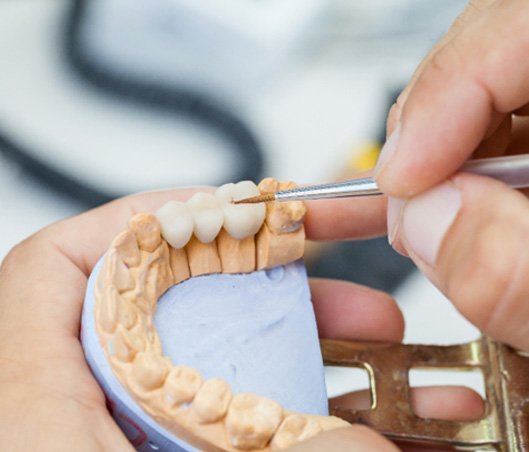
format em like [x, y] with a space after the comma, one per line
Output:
[470, 97]
[347, 311]
[49, 400]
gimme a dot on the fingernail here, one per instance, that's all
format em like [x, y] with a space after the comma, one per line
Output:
[394, 211]
[427, 218]
[389, 148]
[394, 218]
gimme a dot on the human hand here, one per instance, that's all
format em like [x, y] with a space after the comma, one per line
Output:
[49, 399]
[469, 97]
[351, 312]
[51, 402]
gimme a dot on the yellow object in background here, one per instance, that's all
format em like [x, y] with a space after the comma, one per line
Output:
[363, 157]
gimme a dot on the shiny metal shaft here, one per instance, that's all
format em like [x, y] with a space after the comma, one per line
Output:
[359, 187]
[512, 170]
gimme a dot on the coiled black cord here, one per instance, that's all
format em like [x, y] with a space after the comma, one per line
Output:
[179, 102]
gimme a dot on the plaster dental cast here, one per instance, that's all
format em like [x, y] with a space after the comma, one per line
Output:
[48, 383]
[238, 335]
[467, 233]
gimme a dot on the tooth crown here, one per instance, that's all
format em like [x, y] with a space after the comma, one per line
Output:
[208, 234]
[176, 221]
[208, 217]
[240, 220]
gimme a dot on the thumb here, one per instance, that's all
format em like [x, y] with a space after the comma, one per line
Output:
[468, 235]
[356, 438]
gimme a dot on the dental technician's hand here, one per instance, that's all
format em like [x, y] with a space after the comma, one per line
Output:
[49, 400]
[468, 234]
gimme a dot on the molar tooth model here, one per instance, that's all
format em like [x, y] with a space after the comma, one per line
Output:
[194, 311]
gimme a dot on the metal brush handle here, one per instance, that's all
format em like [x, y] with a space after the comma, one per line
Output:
[512, 170]
[359, 187]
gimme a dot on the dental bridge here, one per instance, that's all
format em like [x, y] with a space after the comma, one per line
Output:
[209, 234]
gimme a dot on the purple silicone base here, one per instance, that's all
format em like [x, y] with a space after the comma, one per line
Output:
[256, 330]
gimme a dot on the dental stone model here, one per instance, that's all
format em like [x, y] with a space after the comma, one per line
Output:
[150, 322]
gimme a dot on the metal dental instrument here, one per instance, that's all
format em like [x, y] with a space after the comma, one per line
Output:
[512, 170]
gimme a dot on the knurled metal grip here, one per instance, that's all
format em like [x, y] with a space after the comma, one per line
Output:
[504, 425]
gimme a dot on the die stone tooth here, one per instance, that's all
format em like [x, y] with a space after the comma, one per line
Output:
[176, 222]
[212, 400]
[207, 216]
[108, 311]
[124, 345]
[181, 385]
[240, 220]
[236, 256]
[149, 370]
[252, 420]
[278, 249]
[179, 265]
[127, 316]
[147, 230]
[282, 217]
[328, 422]
[127, 248]
[294, 429]
[203, 258]
[119, 272]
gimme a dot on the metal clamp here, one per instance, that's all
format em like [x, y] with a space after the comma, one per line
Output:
[505, 424]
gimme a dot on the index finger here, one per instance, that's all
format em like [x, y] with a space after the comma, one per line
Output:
[471, 11]
[346, 218]
[480, 73]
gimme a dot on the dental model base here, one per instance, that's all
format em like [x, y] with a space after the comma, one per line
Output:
[198, 326]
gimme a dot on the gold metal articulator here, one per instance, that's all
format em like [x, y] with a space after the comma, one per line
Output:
[505, 424]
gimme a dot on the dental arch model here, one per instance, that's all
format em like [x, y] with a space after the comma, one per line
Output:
[207, 234]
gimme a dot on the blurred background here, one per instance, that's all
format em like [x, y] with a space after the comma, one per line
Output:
[107, 97]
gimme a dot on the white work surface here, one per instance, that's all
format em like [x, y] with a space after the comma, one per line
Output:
[308, 120]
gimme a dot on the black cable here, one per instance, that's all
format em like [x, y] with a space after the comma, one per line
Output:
[53, 178]
[197, 106]
[171, 100]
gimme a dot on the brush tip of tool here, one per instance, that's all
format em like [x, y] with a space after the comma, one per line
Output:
[266, 197]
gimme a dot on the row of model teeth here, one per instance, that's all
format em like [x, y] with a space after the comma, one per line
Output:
[251, 421]
[205, 214]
